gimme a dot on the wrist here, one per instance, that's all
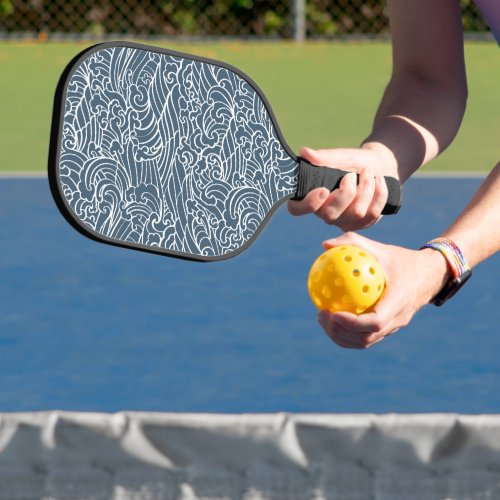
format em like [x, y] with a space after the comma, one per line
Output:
[457, 265]
[386, 156]
[437, 272]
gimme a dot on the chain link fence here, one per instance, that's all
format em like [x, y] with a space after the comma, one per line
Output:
[206, 18]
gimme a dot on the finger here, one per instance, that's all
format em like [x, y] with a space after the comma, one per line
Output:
[338, 334]
[362, 340]
[393, 332]
[341, 340]
[353, 341]
[376, 341]
[338, 157]
[312, 156]
[365, 191]
[338, 201]
[311, 203]
[362, 324]
[380, 196]
[343, 343]
[366, 208]
[356, 340]
[348, 238]
[348, 338]
[375, 324]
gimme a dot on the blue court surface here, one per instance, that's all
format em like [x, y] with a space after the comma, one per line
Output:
[91, 327]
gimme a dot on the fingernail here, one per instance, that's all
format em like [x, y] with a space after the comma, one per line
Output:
[348, 178]
[324, 194]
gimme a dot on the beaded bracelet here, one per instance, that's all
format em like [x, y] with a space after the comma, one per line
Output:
[460, 269]
[452, 254]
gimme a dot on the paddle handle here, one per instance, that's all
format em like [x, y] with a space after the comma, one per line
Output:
[312, 177]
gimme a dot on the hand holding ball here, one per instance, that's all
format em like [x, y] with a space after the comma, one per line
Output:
[346, 278]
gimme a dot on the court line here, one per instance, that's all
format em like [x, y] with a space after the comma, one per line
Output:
[431, 174]
[28, 174]
[452, 174]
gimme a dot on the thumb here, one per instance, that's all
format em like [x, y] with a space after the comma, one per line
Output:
[338, 158]
[349, 238]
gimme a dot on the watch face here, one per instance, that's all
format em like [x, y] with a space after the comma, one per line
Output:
[451, 288]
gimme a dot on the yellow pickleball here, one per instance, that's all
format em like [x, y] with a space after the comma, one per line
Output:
[346, 278]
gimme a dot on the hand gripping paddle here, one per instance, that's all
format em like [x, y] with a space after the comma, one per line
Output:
[171, 153]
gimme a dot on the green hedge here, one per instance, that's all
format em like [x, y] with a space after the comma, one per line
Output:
[325, 18]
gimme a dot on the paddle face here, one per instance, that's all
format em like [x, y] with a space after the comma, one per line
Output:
[164, 152]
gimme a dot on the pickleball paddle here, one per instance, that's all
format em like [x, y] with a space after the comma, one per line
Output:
[171, 153]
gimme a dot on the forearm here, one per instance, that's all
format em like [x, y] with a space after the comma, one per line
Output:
[416, 120]
[424, 103]
[477, 230]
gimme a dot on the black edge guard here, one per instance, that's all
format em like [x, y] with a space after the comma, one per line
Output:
[312, 177]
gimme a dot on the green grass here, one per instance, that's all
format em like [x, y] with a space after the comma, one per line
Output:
[323, 94]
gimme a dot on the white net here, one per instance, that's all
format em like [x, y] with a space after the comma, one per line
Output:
[203, 18]
[155, 456]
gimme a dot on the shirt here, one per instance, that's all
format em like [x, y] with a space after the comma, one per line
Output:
[490, 9]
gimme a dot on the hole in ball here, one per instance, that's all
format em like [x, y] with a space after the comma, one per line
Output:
[317, 300]
[356, 273]
[346, 299]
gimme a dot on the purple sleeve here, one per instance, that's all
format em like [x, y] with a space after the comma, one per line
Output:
[490, 9]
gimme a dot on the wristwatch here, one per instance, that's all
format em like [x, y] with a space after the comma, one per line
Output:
[460, 270]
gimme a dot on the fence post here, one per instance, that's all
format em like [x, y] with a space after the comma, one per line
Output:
[299, 20]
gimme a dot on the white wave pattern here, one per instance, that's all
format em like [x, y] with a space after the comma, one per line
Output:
[169, 152]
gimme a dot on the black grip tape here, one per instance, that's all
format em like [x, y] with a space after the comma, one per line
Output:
[312, 177]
